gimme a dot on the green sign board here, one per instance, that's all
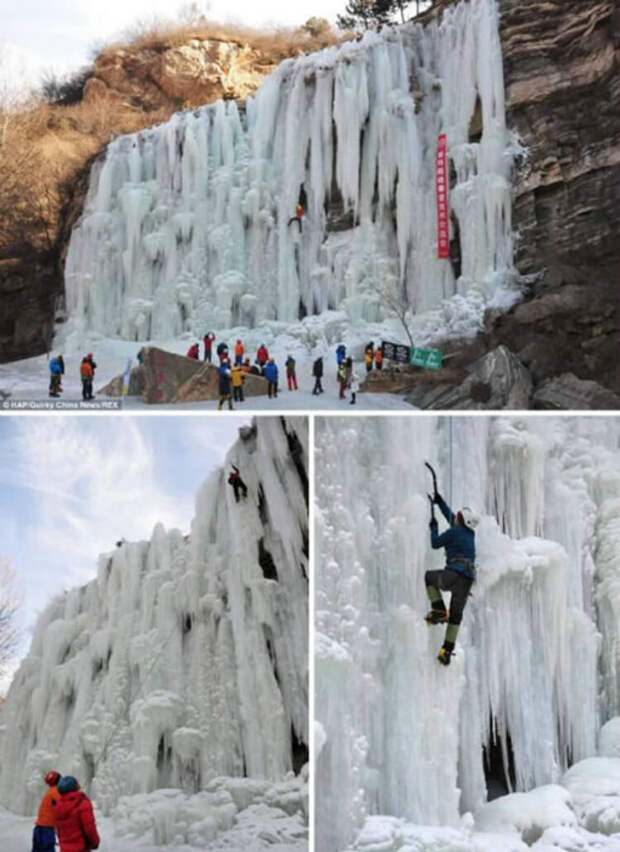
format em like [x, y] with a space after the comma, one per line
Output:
[428, 359]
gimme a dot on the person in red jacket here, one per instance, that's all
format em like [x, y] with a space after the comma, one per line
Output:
[44, 835]
[262, 356]
[75, 820]
[193, 351]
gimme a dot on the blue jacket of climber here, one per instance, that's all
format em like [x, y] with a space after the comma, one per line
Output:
[459, 541]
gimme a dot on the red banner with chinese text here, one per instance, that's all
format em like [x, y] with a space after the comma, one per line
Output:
[441, 178]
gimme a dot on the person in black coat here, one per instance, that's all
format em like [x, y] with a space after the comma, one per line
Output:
[317, 372]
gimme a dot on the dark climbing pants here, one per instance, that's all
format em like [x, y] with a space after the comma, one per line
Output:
[272, 389]
[43, 839]
[449, 581]
[87, 389]
[225, 397]
[238, 486]
[318, 387]
[238, 393]
[295, 219]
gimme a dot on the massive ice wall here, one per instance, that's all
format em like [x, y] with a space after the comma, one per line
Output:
[186, 658]
[399, 734]
[186, 224]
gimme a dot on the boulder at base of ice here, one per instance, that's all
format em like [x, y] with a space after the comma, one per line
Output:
[165, 373]
[568, 393]
[497, 381]
[205, 384]
[609, 739]
[528, 814]
[591, 778]
[115, 387]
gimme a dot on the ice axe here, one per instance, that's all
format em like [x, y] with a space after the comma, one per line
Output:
[435, 489]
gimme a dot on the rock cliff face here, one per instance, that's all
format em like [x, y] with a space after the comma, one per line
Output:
[562, 73]
[191, 74]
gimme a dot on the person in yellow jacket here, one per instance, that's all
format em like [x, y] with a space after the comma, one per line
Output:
[238, 377]
[369, 355]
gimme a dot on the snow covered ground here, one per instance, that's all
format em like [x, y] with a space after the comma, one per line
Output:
[29, 379]
[258, 817]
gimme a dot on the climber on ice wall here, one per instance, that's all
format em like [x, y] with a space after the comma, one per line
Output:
[234, 479]
[44, 834]
[299, 215]
[460, 572]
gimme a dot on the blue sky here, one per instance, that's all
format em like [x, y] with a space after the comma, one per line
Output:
[60, 33]
[70, 487]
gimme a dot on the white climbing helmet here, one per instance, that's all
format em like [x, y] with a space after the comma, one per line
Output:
[471, 519]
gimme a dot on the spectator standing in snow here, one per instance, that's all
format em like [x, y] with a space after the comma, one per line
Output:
[317, 372]
[291, 375]
[271, 374]
[262, 356]
[238, 377]
[75, 820]
[56, 370]
[193, 352]
[225, 380]
[239, 350]
[86, 375]
[378, 358]
[208, 343]
[341, 354]
[234, 479]
[369, 354]
[44, 834]
[222, 351]
[342, 379]
[246, 366]
[354, 386]
[89, 358]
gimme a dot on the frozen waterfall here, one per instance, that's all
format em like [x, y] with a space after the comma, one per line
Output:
[397, 733]
[186, 228]
[186, 658]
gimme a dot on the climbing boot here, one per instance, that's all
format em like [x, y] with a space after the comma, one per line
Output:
[437, 616]
[445, 652]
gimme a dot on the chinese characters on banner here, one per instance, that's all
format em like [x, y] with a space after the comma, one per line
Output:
[395, 352]
[441, 172]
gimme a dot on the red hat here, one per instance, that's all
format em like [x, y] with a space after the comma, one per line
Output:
[52, 778]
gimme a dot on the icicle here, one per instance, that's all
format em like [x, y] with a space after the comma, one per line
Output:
[353, 129]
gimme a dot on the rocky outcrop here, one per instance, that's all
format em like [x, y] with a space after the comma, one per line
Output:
[562, 76]
[189, 74]
[568, 393]
[495, 382]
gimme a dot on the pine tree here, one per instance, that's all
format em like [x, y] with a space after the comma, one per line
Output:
[366, 14]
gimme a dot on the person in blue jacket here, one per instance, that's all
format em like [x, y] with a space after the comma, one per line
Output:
[271, 374]
[459, 574]
[225, 385]
[57, 368]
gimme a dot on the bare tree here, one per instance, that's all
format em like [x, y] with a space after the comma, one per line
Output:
[9, 633]
[392, 296]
